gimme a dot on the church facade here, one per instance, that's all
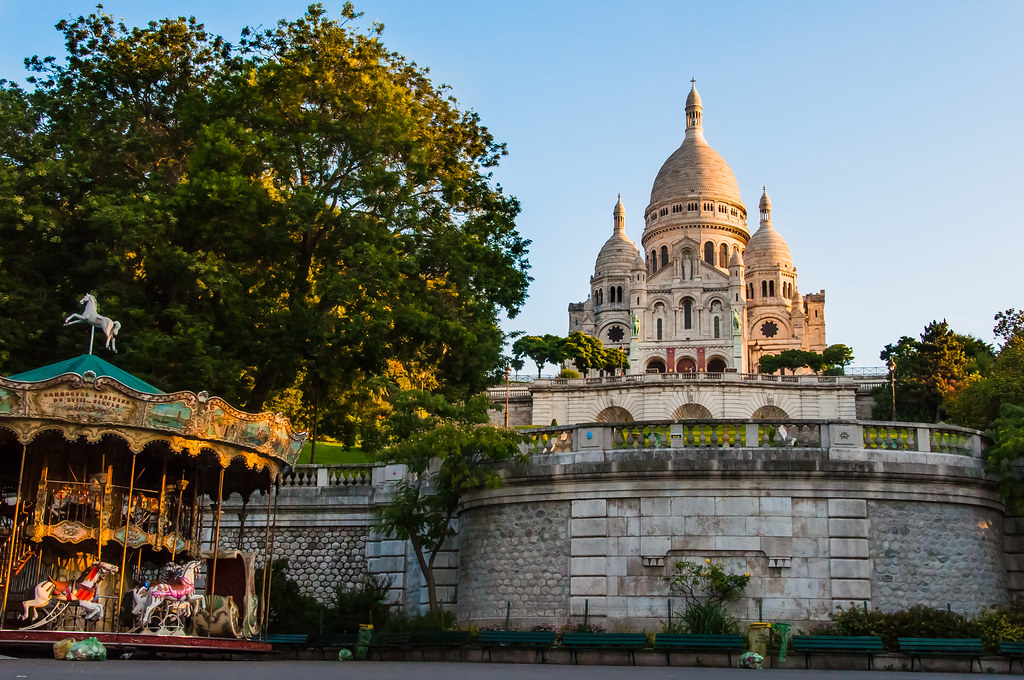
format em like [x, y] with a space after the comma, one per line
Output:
[703, 294]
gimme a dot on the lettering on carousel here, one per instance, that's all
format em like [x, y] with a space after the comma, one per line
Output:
[84, 405]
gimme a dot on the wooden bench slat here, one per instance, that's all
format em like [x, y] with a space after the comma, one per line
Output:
[918, 647]
[540, 640]
[630, 642]
[838, 644]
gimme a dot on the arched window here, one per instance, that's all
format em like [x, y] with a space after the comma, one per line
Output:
[611, 294]
[771, 289]
[654, 261]
[709, 252]
[718, 327]
[664, 256]
[687, 313]
[764, 289]
[723, 256]
[618, 294]
[659, 329]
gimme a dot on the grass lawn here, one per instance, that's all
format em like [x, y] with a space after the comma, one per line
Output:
[330, 453]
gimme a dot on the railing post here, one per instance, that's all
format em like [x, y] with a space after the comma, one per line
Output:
[924, 439]
[751, 438]
[321, 475]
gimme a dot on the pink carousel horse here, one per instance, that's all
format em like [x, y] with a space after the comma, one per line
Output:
[81, 591]
[174, 594]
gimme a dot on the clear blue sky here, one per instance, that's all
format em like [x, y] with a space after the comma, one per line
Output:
[888, 133]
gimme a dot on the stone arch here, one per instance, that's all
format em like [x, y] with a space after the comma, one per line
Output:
[769, 412]
[716, 365]
[656, 365]
[691, 412]
[686, 365]
[614, 414]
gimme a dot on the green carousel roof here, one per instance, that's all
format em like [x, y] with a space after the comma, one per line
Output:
[80, 365]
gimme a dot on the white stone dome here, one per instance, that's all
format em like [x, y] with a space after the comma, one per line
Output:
[694, 168]
[619, 253]
[767, 248]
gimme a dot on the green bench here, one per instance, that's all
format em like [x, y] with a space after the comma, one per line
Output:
[287, 640]
[533, 639]
[838, 644]
[1013, 650]
[388, 641]
[629, 642]
[692, 642]
[449, 639]
[337, 641]
[918, 647]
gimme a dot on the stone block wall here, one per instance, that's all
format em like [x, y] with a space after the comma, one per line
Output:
[516, 554]
[936, 554]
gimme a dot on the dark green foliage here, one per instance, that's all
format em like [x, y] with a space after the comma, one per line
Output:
[978, 403]
[918, 621]
[1005, 457]
[366, 603]
[301, 210]
[927, 371]
[290, 610]
[400, 622]
[832, 360]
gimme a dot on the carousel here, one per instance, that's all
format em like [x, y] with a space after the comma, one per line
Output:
[110, 507]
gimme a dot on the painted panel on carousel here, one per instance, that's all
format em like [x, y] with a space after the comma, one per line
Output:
[174, 415]
[83, 405]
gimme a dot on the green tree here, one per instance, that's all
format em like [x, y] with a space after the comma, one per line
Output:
[448, 450]
[977, 404]
[542, 350]
[297, 212]
[835, 359]
[927, 371]
[1006, 457]
[585, 351]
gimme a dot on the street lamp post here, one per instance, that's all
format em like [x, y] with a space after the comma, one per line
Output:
[892, 381]
[755, 365]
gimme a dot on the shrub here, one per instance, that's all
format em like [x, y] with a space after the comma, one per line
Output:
[706, 589]
[290, 610]
[366, 603]
[999, 623]
[918, 621]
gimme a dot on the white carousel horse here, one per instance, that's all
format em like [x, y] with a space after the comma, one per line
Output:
[172, 594]
[89, 316]
[81, 591]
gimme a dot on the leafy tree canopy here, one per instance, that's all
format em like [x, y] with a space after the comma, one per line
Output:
[305, 210]
[832, 360]
[978, 403]
[927, 371]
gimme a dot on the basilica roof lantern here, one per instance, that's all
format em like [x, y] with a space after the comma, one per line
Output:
[619, 253]
[766, 247]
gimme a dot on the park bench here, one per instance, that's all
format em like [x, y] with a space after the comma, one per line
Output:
[838, 644]
[287, 640]
[629, 642]
[337, 641]
[534, 639]
[388, 641]
[918, 647]
[449, 639]
[1014, 651]
[693, 642]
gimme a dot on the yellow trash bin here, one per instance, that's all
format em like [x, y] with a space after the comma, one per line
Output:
[757, 637]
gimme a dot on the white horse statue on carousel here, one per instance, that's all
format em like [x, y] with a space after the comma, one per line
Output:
[81, 591]
[91, 317]
[181, 599]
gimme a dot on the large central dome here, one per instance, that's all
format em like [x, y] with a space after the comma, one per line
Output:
[694, 169]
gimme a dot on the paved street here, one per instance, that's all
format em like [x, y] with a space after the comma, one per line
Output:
[47, 669]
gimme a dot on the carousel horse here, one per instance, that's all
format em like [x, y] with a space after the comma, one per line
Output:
[81, 591]
[89, 316]
[173, 595]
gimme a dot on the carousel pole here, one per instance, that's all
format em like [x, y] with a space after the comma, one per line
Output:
[212, 586]
[270, 581]
[13, 537]
[124, 553]
[266, 548]
[177, 516]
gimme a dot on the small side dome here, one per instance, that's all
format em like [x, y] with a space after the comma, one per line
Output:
[618, 253]
[767, 248]
[766, 202]
[735, 260]
[638, 263]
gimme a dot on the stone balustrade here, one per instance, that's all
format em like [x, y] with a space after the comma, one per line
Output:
[794, 433]
[328, 476]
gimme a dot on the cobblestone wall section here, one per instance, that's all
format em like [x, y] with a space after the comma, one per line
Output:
[514, 553]
[936, 554]
[319, 558]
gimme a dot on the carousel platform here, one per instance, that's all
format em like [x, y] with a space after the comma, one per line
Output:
[39, 640]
